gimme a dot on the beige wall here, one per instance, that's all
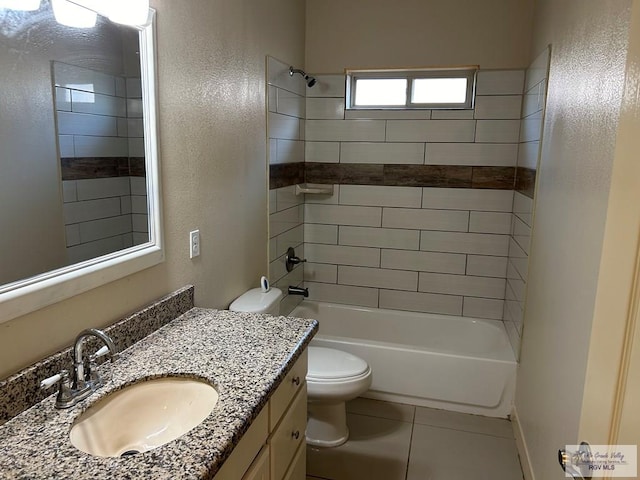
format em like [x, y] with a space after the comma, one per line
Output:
[589, 42]
[211, 67]
[414, 33]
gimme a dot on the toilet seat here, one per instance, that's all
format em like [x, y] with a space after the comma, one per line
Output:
[330, 365]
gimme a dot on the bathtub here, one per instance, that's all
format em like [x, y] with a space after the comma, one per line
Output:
[439, 361]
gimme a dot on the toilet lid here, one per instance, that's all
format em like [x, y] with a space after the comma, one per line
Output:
[326, 363]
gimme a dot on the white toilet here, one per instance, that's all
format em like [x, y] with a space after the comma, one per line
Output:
[333, 376]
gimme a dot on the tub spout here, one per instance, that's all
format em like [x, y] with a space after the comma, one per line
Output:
[298, 291]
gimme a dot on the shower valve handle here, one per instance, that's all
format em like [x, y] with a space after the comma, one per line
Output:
[291, 259]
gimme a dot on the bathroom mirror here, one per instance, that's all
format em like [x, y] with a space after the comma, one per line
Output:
[79, 166]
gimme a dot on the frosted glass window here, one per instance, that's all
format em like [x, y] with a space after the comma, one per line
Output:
[439, 90]
[381, 92]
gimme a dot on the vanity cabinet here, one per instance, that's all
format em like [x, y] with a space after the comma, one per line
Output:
[274, 447]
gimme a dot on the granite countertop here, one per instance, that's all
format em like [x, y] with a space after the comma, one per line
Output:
[244, 355]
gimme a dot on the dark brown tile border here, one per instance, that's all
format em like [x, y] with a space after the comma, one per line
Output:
[285, 174]
[500, 178]
[428, 176]
[86, 168]
[525, 181]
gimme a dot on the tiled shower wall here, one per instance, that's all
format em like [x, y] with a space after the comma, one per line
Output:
[285, 132]
[529, 149]
[101, 141]
[420, 218]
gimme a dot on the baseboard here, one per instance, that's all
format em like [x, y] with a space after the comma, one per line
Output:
[521, 445]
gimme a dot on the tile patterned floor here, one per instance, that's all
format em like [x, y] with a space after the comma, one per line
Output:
[390, 441]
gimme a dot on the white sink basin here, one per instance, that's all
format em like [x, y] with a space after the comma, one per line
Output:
[143, 416]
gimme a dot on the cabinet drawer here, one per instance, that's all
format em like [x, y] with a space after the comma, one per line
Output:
[289, 435]
[298, 468]
[290, 385]
[259, 469]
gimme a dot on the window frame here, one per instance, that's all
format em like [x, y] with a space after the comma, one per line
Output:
[467, 72]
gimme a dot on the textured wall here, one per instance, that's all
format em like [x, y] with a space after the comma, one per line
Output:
[413, 33]
[589, 44]
[211, 77]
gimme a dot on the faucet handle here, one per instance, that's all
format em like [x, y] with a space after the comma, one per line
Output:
[61, 377]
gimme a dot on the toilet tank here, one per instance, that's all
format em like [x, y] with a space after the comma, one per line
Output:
[257, 301]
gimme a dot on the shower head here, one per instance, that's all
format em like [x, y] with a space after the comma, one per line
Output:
[311, 81]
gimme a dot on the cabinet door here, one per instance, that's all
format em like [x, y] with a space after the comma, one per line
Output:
[259, 469]
[298, 468]
[290, 386]
[288, 436]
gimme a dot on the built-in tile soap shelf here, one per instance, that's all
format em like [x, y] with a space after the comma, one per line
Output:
[314, 189]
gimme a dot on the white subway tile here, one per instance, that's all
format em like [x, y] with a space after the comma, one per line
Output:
[474, 243]
[328, 86]
[69, 191]
[97, 104]
[521, 266]
[512, 272]
[127, 238]
[430, 131]
[533, 100]
[139, 238]
[72, 235]
[425, 219]
[277, 270]
[452, 114]
[138, 185]
[125, 205]
[345, 130]
[403, 153]
[480, 154]
[342, 255]
[423, 261]
[100, 146]
[523, 207]
[327, 292]
[278, 76]
[102, 188]
[498, 107]
[518, 289]
[66, 146]
[371, 195]
[388, 114]
[320, 272]
[273, 151]
[343, 215]
[139, 204]
[531, 130]
[135, 108]
[82, 124]
[79, 78]
[483, 308]
[486, 266]
[379, 237]
[136, 147]
[467, 199]
[528, 155]
[123, 127]
[421, 302]
[292, 278]
[538, 70]
[107, 227]
[63, 99]
[286, 198]
[272, 250]
[325, 108]
[285, 220]
[514, 338]
[500, 82]
[378, 278]
[490, 222]
[283, 126]
[498, 131]
[462, 285]
[521, 235]
[140, 223]
[272, 98]
[272, 201]
[291, 238]
[515, 250]
[327, 152]
[86, 251]
[77, 212]
[315, 233]
[289, 151]
[135, 127]
[134, 87]
[121, 91]
[291, 104]
[331, 199]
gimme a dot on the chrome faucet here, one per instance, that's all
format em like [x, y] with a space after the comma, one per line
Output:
[85, 379]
